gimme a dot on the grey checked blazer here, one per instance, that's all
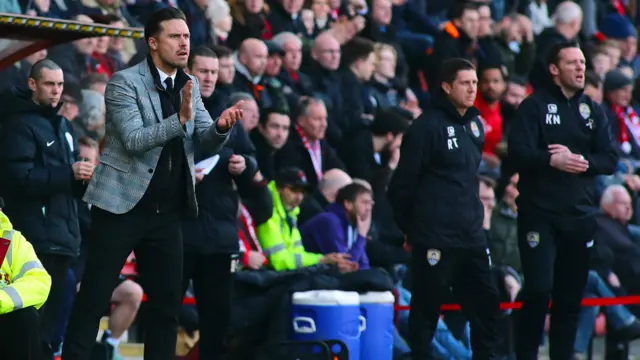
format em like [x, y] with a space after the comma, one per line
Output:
[134, 137]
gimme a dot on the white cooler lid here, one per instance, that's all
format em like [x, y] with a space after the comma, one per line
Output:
[377, 298]
[326, 297]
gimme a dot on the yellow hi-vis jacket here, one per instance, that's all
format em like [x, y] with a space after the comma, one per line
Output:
[23, 280]
[280, 243]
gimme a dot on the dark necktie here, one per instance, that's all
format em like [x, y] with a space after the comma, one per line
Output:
[169, 82]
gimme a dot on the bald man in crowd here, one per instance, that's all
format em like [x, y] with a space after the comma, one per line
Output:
[325, 81]
[250, 78]
[332, 181]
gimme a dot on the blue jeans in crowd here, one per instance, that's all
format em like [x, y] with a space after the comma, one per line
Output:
[617, 316]
[445, 345]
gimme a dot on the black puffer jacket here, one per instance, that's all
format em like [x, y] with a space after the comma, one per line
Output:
[37, 149]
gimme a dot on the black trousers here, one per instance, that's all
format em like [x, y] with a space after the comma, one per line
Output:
[57, 266]
[555, 265]
[157, 241]
[465, 271]
[213, 288]
[20, 335]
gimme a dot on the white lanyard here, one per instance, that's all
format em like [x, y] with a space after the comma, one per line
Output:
[351, 237]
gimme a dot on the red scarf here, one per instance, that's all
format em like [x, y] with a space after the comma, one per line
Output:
[247, 223]
[623, 133]
[315, 153]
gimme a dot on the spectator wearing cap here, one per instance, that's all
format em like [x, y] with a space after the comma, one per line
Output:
[372, 154]
[343, 227]
[250, 63]
[279, 236]
[491, 87]
[616, 27]
[306, 147]
[624, 121]
[629, 51]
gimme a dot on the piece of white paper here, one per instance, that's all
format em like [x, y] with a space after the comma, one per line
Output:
[208, 164]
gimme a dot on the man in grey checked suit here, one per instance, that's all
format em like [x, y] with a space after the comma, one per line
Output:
[144, 186]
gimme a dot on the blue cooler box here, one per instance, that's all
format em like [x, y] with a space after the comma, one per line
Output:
[376, 340]
[328, 315]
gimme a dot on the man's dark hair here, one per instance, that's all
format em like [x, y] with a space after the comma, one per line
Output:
[154, 24]
[553, 57]
[592, 79]
[389, 121]
[451, 67]
[358, 48]
[91, 79]
[36, 69]
[457, 10]
[202, 51]
[222, 51]
[264, 114]
[74, 91]
[492, 66]
[351, 192]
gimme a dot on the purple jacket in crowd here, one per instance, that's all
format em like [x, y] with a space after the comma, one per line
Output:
[328, 232]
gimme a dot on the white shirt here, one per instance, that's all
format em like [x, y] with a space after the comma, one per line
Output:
[164, 76]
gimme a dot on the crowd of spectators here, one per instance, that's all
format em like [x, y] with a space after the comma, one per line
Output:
[328, 89]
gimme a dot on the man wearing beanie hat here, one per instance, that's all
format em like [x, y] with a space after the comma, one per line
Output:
[373, 154]
[629, 52]
[617, 90]
[617, 27]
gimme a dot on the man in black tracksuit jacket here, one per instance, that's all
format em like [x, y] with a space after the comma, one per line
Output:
[38, 155]
[434, 194]
[560, 140]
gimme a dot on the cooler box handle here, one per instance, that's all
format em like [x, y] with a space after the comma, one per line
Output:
[299, 323]
[363, 323]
